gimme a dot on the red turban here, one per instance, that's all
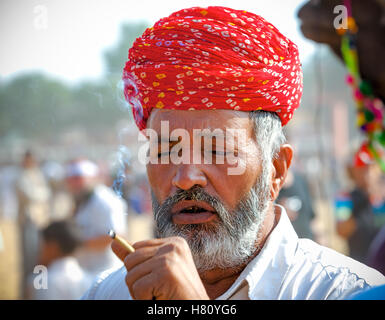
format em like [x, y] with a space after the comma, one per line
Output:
[363, 156]
[212, 58]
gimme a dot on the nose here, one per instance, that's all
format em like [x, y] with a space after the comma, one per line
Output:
[187, 176]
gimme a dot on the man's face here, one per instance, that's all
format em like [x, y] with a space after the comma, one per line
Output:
[202, 202]
[78, 185]
[366, 177]
[49, 251]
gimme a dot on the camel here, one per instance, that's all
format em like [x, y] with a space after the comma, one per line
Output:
[317, 17]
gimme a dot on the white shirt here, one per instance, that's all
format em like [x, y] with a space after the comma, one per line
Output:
[286, 268]
[66, 281]
[103, 211]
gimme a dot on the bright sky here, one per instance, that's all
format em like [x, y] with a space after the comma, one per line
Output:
[66, 38]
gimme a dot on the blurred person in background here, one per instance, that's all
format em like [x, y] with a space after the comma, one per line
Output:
[8, 197]
[66, 279]
[355, 209]
[376, 255]
[33, 194]
[97, 210]
[296, 199]
[60, 200]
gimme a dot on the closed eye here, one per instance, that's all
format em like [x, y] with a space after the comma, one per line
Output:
[163, 154]
[219, 153]
[168, 153]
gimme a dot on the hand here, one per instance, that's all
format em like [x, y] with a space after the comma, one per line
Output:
[346, 228]
[162, 269]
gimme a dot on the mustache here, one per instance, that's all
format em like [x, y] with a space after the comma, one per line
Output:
[195, 193]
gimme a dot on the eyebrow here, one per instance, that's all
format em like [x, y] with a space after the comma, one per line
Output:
[212, 135]
[164, 140]
[203, 134]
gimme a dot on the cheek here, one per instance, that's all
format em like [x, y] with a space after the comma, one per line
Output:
[160, 179]
[231, 188]
[239, 186]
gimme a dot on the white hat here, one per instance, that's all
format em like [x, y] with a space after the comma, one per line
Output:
[82, 168]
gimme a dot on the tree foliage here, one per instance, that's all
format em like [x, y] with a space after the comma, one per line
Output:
[34, 106]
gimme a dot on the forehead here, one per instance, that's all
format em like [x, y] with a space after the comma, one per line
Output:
[200, 119]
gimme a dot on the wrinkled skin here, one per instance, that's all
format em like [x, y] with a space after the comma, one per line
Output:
[164, 268]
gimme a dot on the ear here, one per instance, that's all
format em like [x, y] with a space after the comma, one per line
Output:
[281, 164]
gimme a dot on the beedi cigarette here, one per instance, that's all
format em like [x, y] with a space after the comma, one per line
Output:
[122, 241]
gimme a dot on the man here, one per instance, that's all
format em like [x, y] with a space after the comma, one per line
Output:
[220, 236]
[355, 210]
[66, 279]
[97, 210]
[33, 194]
[376, 252]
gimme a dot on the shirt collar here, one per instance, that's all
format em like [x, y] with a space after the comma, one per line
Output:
[265, 273]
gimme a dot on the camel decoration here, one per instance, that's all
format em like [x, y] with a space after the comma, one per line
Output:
[361, 46]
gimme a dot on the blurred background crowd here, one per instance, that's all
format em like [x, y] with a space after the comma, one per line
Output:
[69, 169]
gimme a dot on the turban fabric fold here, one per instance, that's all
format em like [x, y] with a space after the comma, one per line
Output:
[212, 58]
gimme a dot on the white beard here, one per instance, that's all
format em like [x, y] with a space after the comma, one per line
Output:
[232, 241]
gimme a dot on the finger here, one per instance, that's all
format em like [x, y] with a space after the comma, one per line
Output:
[156, 242]
[119, 250]
[139, 256]
[148, 243]
[138, 272]
[143, 288]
